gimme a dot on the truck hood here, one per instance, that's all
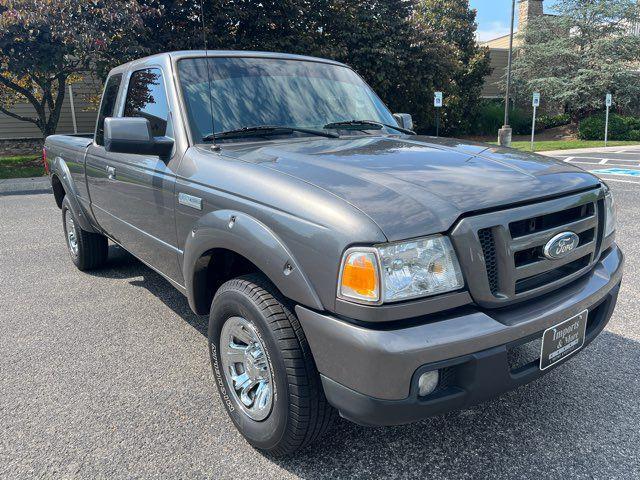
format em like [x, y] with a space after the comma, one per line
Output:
[413, 186]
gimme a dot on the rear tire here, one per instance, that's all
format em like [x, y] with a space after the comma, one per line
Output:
[299, 412]
[87, 250]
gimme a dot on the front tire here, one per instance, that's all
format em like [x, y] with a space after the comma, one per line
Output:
[87, 250]
[264, 369]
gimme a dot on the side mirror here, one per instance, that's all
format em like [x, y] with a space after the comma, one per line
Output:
[404, 120]
[133, 135]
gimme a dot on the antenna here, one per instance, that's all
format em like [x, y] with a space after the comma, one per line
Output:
[206, 61]
[204, 32]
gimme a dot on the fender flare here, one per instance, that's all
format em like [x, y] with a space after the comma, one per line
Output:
[60, 170]
[248, 237]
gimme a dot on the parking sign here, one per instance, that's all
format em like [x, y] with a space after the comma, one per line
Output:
[609, 100]
[536, 99]
[437, 99]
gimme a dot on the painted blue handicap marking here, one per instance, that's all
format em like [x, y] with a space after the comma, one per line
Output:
[618, 171]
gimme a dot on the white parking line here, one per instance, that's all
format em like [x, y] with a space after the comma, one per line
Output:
[602, 161]
[608, 179]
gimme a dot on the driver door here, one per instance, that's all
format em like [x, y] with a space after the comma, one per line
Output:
[135, 199]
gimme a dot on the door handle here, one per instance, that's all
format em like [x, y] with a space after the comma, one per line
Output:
[111, 172]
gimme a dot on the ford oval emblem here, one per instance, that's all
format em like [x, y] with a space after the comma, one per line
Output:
[561, 245]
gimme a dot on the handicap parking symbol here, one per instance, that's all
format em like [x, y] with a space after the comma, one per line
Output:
[617, 171]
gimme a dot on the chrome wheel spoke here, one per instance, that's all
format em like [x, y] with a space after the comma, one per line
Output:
[235, 353]
[244, 336]
[263, 395]
[245, 394]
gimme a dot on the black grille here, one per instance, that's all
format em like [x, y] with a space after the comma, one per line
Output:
[553, 275]
[534, 254]
[489, 250]
[502, 251]
[523, 355]
[552, 220]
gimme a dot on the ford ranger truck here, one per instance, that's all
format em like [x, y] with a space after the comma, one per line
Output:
[347, 265]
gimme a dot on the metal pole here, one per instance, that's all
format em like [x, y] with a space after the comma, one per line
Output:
[437, 122]
[508, 91]
[606, 127]
[533, 126]
[73, 110]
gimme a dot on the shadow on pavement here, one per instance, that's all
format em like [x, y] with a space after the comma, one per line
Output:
[123, 265]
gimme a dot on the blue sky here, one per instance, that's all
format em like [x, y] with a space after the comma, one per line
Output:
[494, 17]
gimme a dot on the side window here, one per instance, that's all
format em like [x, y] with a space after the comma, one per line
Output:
[108, 105]
[147, 98]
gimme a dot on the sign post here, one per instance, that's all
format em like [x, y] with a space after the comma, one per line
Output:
[536, 103]
[608, 102]
[437, 103]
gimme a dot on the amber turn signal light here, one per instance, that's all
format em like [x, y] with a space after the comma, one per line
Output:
[359, 279]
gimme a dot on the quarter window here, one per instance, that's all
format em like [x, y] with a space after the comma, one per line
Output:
[146, 98]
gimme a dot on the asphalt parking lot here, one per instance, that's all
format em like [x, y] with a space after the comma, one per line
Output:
[106, 374]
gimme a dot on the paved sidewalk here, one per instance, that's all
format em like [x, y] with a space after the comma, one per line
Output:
[12, 186]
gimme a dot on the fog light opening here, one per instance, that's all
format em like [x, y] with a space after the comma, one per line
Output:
[428, 382]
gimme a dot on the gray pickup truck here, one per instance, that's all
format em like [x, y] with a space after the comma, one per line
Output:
[347, 265]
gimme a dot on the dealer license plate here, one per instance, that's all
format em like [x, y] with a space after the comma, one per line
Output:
[562, 340]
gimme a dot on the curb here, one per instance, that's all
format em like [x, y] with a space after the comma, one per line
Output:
[21, 186]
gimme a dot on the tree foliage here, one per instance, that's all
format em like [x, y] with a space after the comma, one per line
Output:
[577, 56]
[46, 44]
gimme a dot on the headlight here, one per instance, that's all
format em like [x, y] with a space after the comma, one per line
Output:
[609, 214]
[404, 270]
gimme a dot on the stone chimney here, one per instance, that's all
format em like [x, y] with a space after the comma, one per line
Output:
[529, 9]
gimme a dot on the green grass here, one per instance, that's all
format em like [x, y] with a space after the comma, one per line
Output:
[547, 145]
[21, 166]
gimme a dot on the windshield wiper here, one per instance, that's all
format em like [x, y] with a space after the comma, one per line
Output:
[365, 125]
[260, 130]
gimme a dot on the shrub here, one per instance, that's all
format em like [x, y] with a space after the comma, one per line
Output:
[552, 121]
[490, 118]
[634, 135]
[620, 128]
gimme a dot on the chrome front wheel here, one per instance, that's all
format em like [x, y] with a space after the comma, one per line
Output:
[246, 367]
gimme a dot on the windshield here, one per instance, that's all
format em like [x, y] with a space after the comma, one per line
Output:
[249, 92]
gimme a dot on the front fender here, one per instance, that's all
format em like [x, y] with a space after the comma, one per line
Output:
[246, 236]
[60, 169]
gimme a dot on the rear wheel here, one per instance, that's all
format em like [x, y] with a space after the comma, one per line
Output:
[263, 368]
[87, 250]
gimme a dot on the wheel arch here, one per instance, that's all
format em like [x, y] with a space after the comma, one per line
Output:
[58, 189]
[63, 186]
[225, 244]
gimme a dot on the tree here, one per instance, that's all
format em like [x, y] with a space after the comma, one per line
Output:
[577, 56]
[378, 40]
[46, 44]
[454, 25]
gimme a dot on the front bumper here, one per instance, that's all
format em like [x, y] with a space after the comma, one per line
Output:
[371, 375]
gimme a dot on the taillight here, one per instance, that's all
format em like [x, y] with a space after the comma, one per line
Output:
[44, 160]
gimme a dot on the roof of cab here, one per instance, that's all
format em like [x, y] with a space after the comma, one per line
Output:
[178, 55]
